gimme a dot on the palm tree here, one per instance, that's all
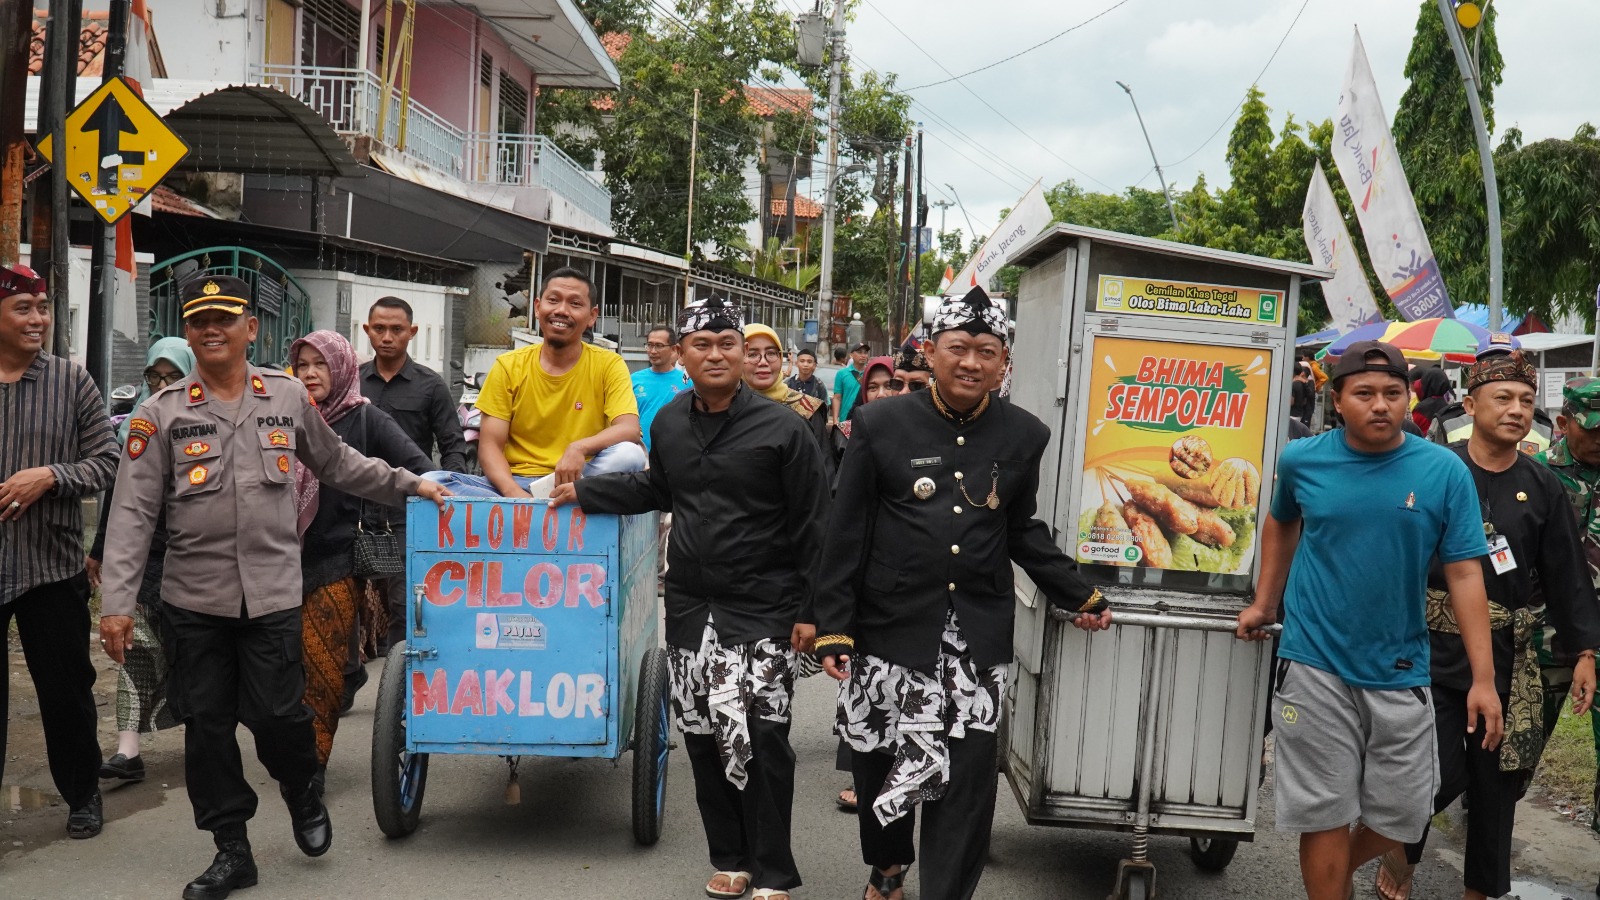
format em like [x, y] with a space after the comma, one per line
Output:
[776, 262]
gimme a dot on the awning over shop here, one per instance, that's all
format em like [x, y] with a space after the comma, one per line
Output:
[553, 37]
[235, 128]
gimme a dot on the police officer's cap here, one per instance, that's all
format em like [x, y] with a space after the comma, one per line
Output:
[222, 292]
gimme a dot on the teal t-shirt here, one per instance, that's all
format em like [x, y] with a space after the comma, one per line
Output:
[846, 386]
[653, 390]
[1372, 522]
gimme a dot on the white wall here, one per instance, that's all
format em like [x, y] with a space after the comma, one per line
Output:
[430, 306]
[78, 290]
[209, 40]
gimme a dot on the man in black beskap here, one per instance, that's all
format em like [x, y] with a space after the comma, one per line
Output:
[743, 477]
[936, 499]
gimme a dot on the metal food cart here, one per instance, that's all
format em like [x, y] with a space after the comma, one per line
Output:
[532, 632]
[1163, 371]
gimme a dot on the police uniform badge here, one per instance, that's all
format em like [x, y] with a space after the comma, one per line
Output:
[283, 463]
[197, 475]
[196, 393]
[257, 385]
[195, 448]
[923, 488]
[278, 438]
[140, 431]
[136, 445]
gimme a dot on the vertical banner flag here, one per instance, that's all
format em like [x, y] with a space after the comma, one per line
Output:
[1370, 165]
[1349, 298]
[125, 302]
[1024, 223]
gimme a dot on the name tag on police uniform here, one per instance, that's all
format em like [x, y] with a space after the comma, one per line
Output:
[1500, 555]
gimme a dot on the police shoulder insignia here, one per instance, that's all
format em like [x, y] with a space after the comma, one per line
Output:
[197, 475]
[143, 427]
[257, 385]
[195, 448]
[196, 393]
[283, 463]
[136, 445]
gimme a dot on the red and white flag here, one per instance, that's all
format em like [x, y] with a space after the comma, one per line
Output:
[949, 276]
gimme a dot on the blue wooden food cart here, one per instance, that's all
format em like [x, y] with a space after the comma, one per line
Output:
[532, 631]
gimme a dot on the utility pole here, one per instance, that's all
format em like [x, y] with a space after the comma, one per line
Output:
[1160, 176]
[16, 28]
[974, 232]
[897, 297]
[688, 237]
[824, 307]
[1491, 188]
[914, 309]
[103, 252]
[57, 94]
[943, 205]
[891, 228]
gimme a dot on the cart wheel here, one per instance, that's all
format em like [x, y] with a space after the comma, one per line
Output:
[1212, 854]
[651, 744]
[1137, 887]
[398, 778]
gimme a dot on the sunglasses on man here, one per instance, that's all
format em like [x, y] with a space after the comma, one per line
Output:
[899, 384]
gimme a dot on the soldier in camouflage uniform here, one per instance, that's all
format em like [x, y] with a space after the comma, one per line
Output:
[1575, 458]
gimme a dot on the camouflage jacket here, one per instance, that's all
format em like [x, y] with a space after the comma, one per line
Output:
[1582, 484]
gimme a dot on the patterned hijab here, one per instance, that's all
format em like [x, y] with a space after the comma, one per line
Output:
[344, 395]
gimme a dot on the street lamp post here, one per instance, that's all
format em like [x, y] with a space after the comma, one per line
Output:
[1160, 176]
[972, 232]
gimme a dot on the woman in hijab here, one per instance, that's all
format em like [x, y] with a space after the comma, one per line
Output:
[1434, 395]
[142, 678]
[763, 373]
[325, 362]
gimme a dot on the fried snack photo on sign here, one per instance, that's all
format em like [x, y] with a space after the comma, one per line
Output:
[1108, 525]
[1213, 531]
[1191, 456]
[1196, 491]
[1147, 534]
[1172, 511]
[1236, 483]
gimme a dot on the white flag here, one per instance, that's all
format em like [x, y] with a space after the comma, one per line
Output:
[1024, 223]
[1349, 298]
[124, 303]
[1364, 150]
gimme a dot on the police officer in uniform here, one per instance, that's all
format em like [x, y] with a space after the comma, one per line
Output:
[218, 451]
[936, 499]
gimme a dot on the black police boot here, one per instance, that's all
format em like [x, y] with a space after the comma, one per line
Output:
[313, 831]
[86, 821]
[232, 868]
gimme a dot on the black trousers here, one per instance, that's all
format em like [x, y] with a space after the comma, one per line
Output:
[228, 670]
[748, 830]
[396, 593]
[1466, 768]
[955, 828]
[53, 624]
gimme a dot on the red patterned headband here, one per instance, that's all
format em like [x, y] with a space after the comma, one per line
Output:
[20, 279]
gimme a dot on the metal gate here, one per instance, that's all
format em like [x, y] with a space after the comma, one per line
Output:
[276, 298]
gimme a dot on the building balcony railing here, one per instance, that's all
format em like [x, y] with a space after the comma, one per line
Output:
[350, 100]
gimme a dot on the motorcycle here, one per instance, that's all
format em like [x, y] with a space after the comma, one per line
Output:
[467, 413]
[122, 404]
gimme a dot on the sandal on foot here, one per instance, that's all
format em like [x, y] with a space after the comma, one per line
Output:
[768, 894]
[848, 806]
[741, 879]
[885, 884]
[1393, 865]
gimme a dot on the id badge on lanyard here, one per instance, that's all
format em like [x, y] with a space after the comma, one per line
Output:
[1500, 555]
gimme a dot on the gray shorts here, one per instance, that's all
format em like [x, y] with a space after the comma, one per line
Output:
[1344, 754]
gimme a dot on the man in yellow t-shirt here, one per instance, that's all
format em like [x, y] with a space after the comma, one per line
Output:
[556, 411]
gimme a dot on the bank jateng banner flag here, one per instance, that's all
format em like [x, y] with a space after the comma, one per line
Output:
[1364, 150]
[1349, 298]
[1030, 218]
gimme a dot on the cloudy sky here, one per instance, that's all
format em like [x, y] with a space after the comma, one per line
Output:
[1189, 64]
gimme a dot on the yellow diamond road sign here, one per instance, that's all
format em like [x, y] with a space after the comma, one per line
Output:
[118, 150]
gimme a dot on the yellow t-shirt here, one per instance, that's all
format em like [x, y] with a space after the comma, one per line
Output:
[548, 413]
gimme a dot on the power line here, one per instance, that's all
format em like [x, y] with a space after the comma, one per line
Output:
[1253, 84]
[1056, 36]
[985, 102]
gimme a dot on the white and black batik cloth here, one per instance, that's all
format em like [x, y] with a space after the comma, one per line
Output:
[710, 314]
[883, 706]
[716, 690]
[976, 312]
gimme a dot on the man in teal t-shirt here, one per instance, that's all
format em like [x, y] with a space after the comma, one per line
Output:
[847, 383]
[1357, 514]
[655, 386]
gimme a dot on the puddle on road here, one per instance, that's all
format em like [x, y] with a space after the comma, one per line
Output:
[16, 798]
[1527, 890]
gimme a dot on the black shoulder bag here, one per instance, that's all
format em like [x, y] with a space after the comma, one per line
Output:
[378, 554]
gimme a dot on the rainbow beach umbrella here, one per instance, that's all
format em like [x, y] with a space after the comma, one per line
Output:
[1424, 339]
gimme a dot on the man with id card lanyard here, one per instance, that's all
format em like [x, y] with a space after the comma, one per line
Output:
[1531, 535]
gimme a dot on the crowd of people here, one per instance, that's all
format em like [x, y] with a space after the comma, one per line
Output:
[247, 561]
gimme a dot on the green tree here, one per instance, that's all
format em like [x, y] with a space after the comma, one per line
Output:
[1552, 223]
[1135, 211]
[779, 261]
[1434, 134]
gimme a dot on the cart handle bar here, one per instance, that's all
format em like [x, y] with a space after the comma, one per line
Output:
[1179, 621]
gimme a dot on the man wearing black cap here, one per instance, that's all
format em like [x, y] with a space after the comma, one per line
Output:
[936, 499]
[847, 382]
[57, 447]
[1532, 535]
[744, 480]
[1354, 734]
[218, 450]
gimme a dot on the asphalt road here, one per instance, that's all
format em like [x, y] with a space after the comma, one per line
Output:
[570, 837]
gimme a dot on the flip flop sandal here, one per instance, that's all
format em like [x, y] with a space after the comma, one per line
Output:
[1400, 874]
[844, 805]
[768, 894]
[885, 884]
[740, 878]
